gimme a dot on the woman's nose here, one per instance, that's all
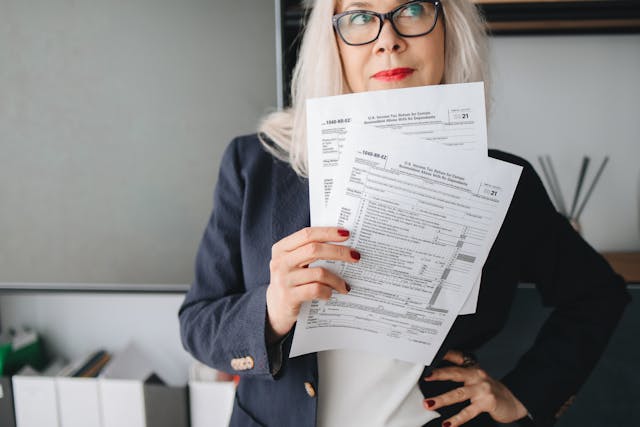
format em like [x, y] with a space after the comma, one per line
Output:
[389, 41]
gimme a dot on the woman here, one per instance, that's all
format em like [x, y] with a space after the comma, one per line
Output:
[252, 270]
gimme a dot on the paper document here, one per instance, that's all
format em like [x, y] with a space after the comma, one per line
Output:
[424, 219]
[451, 115]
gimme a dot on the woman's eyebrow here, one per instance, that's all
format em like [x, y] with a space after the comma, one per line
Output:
[357, 4]
[365, 4]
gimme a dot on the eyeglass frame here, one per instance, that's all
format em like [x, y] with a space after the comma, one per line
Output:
[383, 17]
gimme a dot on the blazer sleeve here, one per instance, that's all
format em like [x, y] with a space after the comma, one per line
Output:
[588, 298]
[222, 324]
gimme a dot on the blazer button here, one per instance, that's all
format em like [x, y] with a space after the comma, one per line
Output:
[249, 362]
[309, 389]
[235, 364]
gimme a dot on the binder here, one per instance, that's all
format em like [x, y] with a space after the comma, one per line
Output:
[7, 414]
[88, 366]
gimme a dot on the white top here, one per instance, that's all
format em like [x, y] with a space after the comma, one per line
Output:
[363, 389]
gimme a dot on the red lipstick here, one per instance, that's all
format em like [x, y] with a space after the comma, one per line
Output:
[393, 74]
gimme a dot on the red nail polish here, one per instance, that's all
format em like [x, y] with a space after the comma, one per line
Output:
[446, 424]
[430, 403]
[348, 287]
[343, 232]
[355, 255]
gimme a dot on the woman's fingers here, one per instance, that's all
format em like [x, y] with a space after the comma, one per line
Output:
[467, 414]
[485, 393]
[319, 275]
[311, 291]
[290, 284]
[457, 395]
[458, 374]
[454, 356]
[307, 235]
[460, 358]
[315, 251]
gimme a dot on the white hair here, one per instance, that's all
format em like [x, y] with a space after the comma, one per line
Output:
[319, 73]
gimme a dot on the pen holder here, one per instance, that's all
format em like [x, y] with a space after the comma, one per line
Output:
[571, 214]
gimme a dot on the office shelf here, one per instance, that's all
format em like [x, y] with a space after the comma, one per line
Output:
[118, 288]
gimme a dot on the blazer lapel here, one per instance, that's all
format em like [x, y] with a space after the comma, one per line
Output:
[291, 201]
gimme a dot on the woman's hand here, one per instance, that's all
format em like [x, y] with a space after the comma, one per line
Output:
[486, 394]
[293, 283]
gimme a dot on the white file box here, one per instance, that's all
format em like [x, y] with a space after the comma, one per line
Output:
[121, 387]
[211, 403]
[122, 403]
[35, 401]
[79, 402]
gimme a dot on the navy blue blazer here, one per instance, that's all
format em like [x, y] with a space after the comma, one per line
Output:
[258, 200]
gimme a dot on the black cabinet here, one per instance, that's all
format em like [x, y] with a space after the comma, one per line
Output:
[291, 16]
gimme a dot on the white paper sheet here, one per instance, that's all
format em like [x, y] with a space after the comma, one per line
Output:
[424, 219]
[450, 115]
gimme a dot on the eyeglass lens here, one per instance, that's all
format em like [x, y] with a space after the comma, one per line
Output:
[412, 19]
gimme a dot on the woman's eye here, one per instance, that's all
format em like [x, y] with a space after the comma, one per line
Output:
[360, 19]
[412, 10]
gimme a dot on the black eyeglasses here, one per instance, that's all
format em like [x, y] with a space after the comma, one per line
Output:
[412, 19]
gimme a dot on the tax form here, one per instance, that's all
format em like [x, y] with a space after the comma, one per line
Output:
[424, 220]
[451, 115]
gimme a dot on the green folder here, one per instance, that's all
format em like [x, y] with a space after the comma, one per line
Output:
[18, 349]
[5, 350]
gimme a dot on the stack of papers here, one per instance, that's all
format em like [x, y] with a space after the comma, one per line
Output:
[406, 171]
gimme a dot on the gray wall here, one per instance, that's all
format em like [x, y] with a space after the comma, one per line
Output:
[113, 118]
[570, 96]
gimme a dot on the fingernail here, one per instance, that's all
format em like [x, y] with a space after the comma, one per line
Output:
[348, 287]
[430, 403]
[429, 374]
[446, 424]
[343, 232]
[355, 255]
